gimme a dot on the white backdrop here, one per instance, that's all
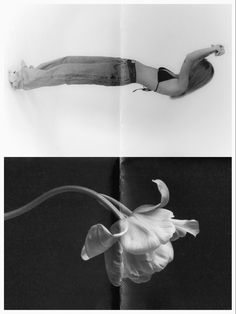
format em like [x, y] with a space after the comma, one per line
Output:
[101, 121]
[195, 125]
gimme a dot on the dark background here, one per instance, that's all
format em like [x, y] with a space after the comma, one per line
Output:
[200, 275]
[43, 267]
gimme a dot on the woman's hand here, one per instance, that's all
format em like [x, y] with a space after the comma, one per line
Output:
[219, 50]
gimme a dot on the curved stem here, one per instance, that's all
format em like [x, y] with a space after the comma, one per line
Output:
[125, 210]
[63, 189]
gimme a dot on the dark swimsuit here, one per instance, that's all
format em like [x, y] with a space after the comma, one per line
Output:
[163, 74]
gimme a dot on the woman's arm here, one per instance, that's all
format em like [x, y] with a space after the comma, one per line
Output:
[203, 53]
[193, 57]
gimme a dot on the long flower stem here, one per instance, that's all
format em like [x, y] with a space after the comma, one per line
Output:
[125, 210]
[63, 189]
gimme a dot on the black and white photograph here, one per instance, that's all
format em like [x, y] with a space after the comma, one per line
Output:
[136, 233]
[72, 71]
[117, 155]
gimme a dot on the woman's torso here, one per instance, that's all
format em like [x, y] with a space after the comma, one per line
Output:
[148, 76]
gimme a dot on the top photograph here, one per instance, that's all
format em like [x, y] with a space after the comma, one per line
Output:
[118, 80]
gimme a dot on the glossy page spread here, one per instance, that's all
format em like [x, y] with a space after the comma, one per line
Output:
[117, 156]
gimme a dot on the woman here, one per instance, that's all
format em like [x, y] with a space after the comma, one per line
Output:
[195, 72]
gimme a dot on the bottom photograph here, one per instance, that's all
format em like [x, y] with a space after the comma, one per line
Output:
[117, 233]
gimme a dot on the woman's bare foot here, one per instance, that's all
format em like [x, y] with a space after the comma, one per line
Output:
[16, 77]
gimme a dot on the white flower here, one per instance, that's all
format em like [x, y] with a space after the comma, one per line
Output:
[139, 244]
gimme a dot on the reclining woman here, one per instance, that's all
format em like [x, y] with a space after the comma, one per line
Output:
[195, 72]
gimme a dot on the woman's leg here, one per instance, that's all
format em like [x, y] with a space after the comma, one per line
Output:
[74, 59]
[90, 70]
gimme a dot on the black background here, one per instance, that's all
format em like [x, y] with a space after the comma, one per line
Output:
[43, 267]
[200, 275]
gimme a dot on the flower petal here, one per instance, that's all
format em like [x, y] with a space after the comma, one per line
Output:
[163, 189]
[140, 279]
[99, 239]
[147, 231]
[184, 226]
[139, 268]
[162, 256]
[165, 195]
[114, 264]
[114, 256]
[144, 208]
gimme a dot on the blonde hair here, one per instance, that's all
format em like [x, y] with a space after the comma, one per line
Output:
[200, 74]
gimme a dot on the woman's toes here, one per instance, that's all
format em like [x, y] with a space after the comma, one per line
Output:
[14, 79]
[11, 76]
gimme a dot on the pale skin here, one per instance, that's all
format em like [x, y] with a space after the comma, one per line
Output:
[174, 87]
[55, 73]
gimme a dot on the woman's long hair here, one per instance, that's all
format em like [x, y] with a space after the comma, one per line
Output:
[200, 74]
